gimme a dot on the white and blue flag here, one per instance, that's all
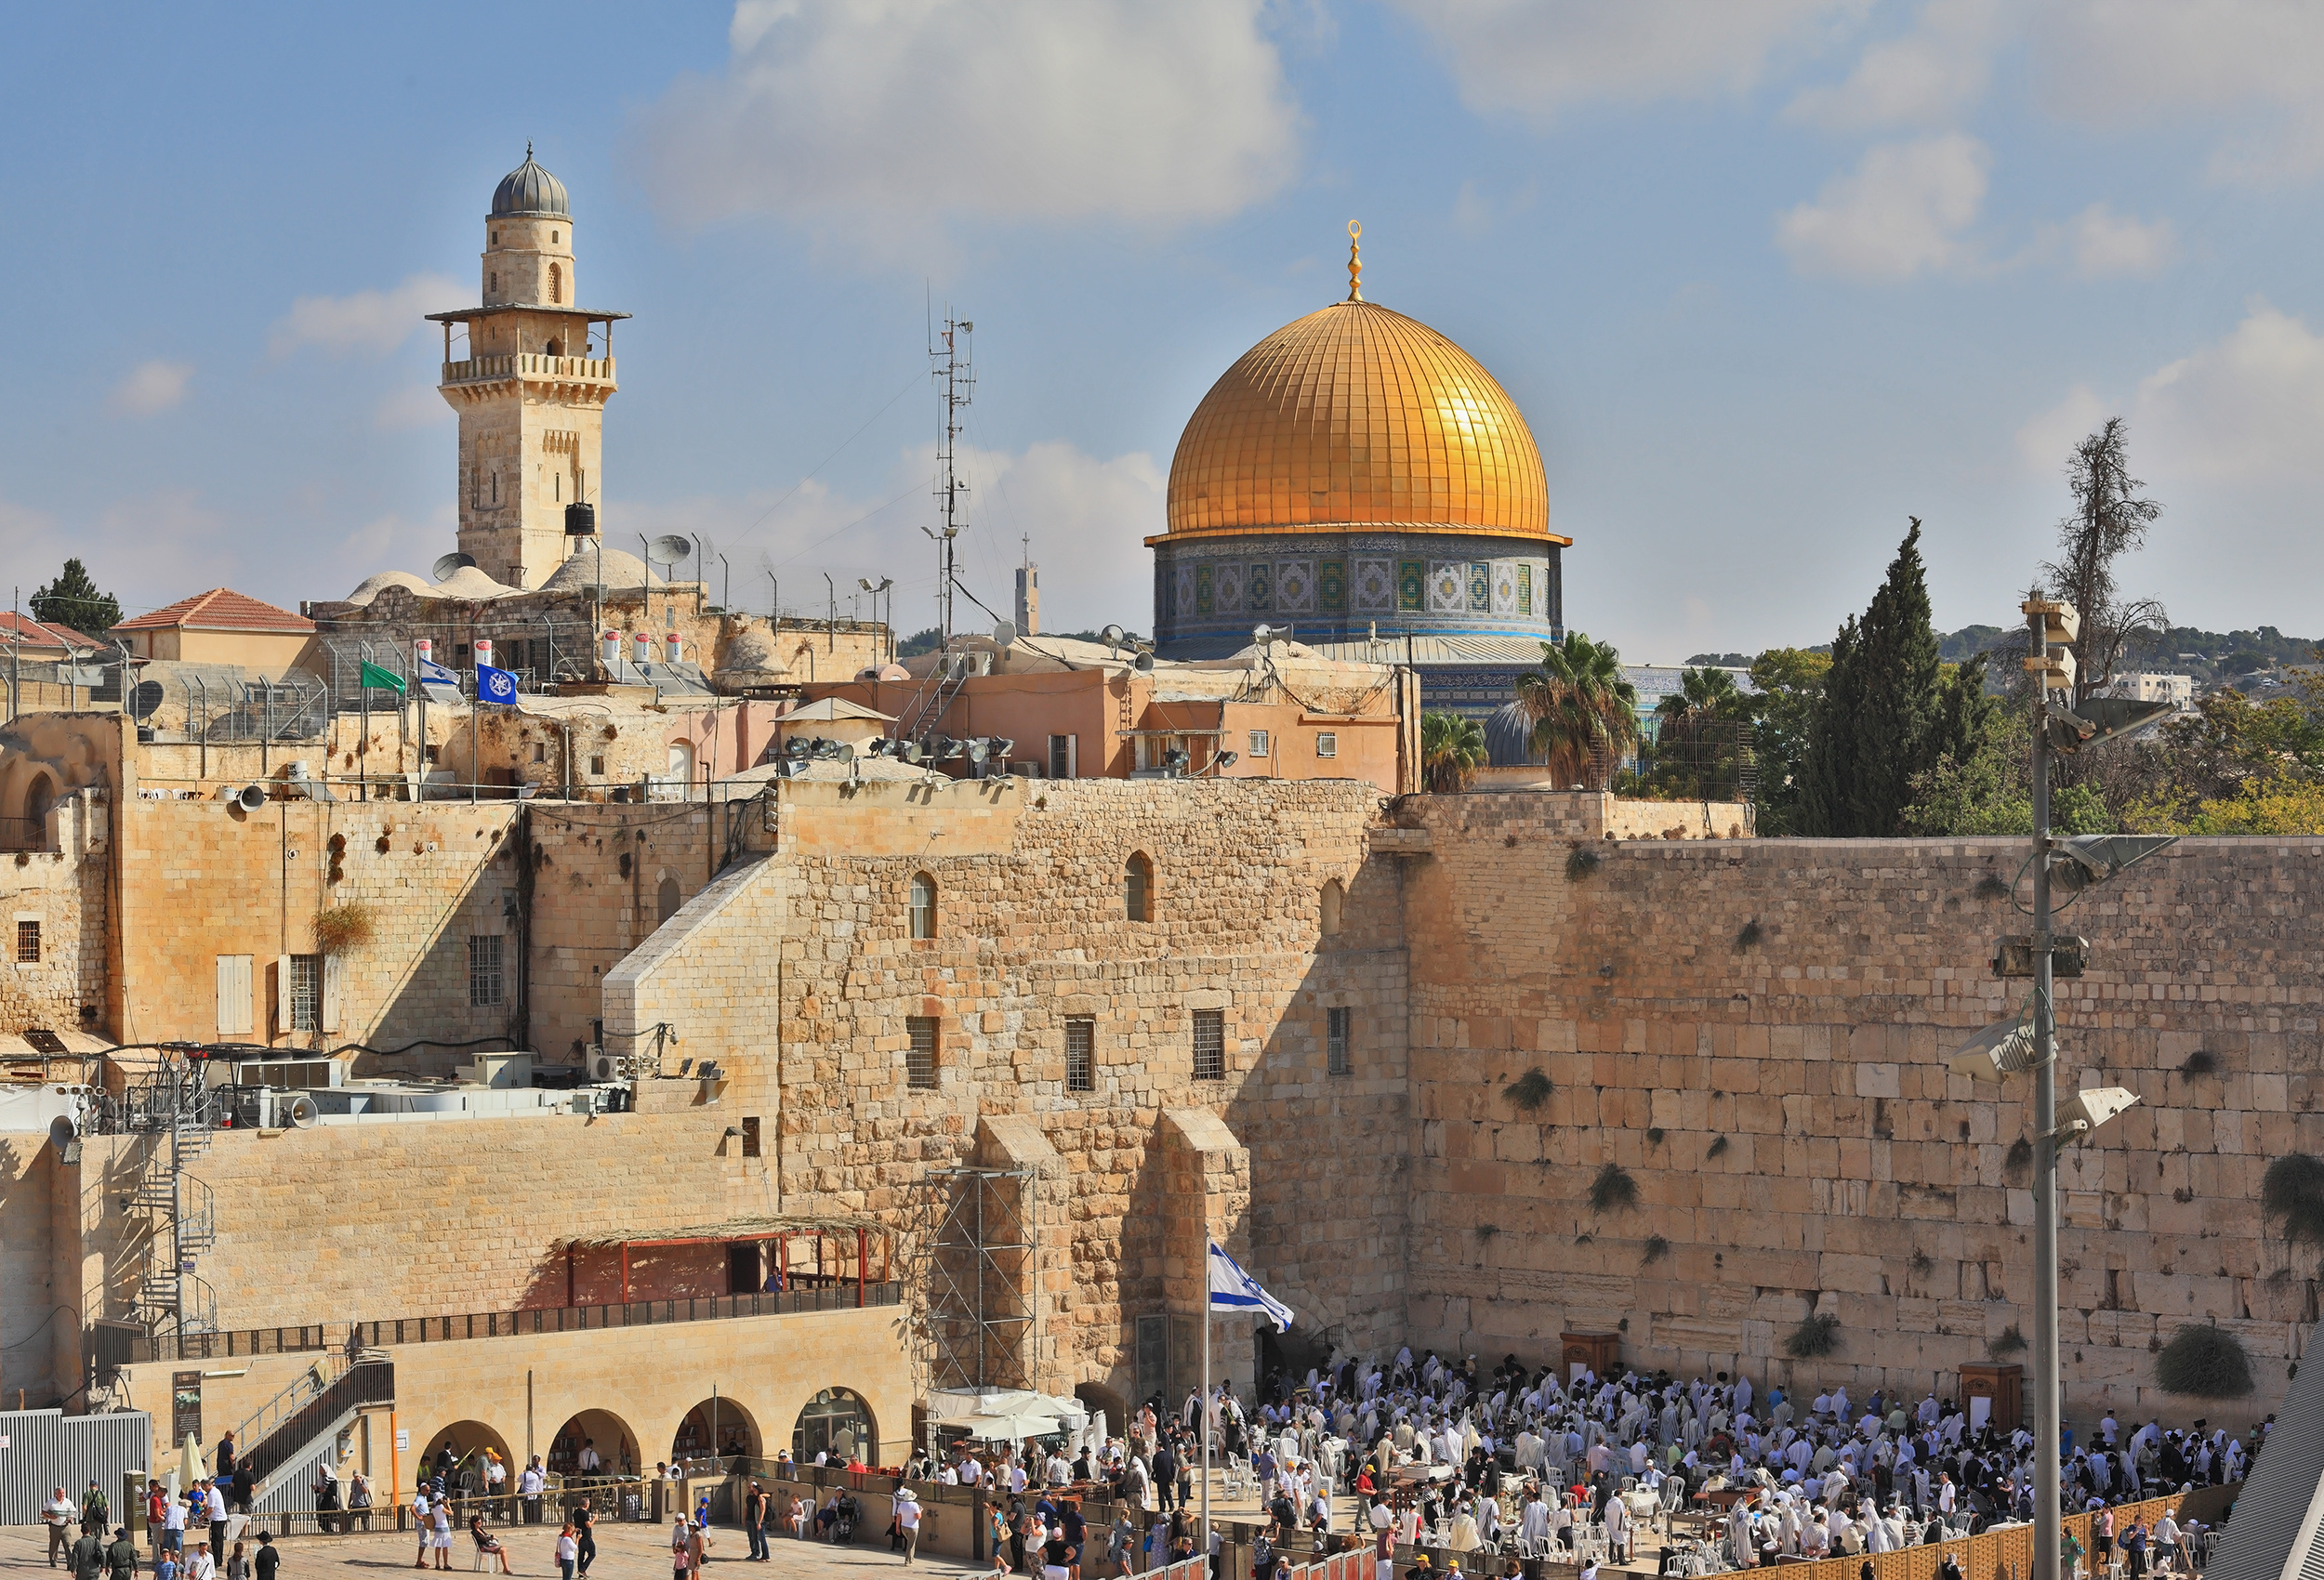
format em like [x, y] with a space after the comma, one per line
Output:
[495, 686]
[433, 674]
[1232, 1289]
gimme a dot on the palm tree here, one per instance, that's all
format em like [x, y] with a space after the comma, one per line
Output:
[1585, 711]
[1697, 747]
[1705, 693]
[1452, 748]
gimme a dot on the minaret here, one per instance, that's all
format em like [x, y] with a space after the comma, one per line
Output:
[532, 388]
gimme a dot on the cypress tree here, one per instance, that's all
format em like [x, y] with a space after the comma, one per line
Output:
[1881, 718]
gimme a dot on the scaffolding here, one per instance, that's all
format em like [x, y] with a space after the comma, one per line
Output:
[981, 1325]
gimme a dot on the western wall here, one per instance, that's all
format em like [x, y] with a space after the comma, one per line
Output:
[1753, 1031]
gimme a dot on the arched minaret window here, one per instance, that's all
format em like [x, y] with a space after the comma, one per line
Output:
[556, 283]
[492, 281]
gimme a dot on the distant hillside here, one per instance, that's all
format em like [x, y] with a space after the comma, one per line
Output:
[2209, 657]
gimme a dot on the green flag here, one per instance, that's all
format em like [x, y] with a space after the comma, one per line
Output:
[375, 675]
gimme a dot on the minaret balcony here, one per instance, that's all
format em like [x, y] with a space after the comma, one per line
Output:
[531, 365]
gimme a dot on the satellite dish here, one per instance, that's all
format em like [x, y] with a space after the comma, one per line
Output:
[144, 698]
[448, 563]
[669, 550]
[252, 796]
[1004, 633]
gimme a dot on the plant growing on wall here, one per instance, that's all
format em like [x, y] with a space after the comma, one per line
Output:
[1657, 1248]
[1747, 935]
[343, 927]
[1529, 1092]
[1717, 1147]
[2292, 1190]
[1580, 862]
[1816, 1334]
[2203, 1360]
[1613, 1188]
[2012, 1342]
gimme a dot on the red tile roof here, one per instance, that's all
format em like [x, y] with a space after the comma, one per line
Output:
[23, 628]
[221, 608]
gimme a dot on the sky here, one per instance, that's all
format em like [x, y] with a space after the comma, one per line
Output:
[1766, 277]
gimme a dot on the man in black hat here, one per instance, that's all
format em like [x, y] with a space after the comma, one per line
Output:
[121, 1559]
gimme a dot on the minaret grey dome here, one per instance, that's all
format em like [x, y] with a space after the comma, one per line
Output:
[1509, 737]
[530, 190]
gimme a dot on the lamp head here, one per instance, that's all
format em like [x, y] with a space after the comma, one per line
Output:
[2003, 1049]
[2081, 1116]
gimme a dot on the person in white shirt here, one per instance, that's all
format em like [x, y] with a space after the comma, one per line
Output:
[588, 1461]
[529, 1488]
[1617, 1530]
[59, 1513]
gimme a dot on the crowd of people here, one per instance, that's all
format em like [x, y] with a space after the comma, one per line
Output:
[1519, 1462]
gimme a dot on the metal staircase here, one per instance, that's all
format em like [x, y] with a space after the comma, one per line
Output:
[935, 695]
[320, 1403]
[177, 1110]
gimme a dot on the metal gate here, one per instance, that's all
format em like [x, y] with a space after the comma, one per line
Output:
[48, 1448]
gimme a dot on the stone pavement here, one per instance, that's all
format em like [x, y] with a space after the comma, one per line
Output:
[624, 1552]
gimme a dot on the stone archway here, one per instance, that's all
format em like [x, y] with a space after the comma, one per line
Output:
[460, 1448]
[717, 1426]
[838, 1422]
[1098, 1396]
[616, 1445]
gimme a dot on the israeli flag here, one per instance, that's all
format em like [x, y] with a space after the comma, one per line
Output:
[1232, 1289]
[432, 674]
[495, 686]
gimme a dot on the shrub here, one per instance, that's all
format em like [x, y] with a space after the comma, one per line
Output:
[2292, 1190]
[1748, 935]
[1922, 1264]
[341, 928]
[1718, 1146]
[1815, 1336]
[1529, 1091]
[1581, 863]
[2020, 1155]
[1654, 1135]
[2012, 1342]
[1613, 1188]
[1992, 887]
[2203, 1360]
[1486, 1232]
[1657, 1248]
[2202, 1061]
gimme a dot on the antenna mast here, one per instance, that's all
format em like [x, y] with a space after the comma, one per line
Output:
[952, 373]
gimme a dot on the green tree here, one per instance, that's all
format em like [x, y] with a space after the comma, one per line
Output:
[1987, 788]
[1452, 749]
[1584, 710]
[74, 599]
[1790, 681]
[1880, 719]
[1703, 732]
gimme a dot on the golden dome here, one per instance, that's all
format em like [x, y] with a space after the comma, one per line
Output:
[1357, 415]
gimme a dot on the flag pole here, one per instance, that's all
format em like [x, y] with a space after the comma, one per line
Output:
[1202, 1409]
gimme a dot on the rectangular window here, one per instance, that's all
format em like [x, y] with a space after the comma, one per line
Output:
[1259, 742]
[28, 943]
[919, 1064]
[1327, 743]
[487, 983]
[1337, 1036]
[306, 992]
[1060, 757]
[750, 1135]
[1209, 1045]
[1082, 1046]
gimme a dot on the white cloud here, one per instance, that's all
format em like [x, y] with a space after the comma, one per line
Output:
[2252, 70]
[151, 386]
[415, 405]
[376, 322]
[2104, 243]
[1903, 211]
[2045, 440]
[1534, 61]
[1925, 77]
[872, 115]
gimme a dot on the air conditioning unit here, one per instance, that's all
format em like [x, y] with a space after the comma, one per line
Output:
[605, 1066]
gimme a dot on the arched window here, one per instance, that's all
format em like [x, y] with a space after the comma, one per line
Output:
[836, 1423]
[665, 901]
[923, 905]
[1138, 889]
[1334, 897]
[556, 283]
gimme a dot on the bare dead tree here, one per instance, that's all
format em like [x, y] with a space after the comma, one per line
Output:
[2109, 520]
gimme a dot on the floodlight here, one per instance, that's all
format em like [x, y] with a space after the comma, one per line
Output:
[1003, 746]
[2102, 719]
[979, 750]
[2080, 1116]
[1224, 759]
[913, 751]
[795, 748]
[2088, 859]
[2003, 1049]
[1113, 636]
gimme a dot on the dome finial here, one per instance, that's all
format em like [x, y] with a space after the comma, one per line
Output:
[1355, 263]
[528, 148]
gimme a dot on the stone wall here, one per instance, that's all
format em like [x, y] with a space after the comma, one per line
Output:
[54, 978]
[1755, 1033]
